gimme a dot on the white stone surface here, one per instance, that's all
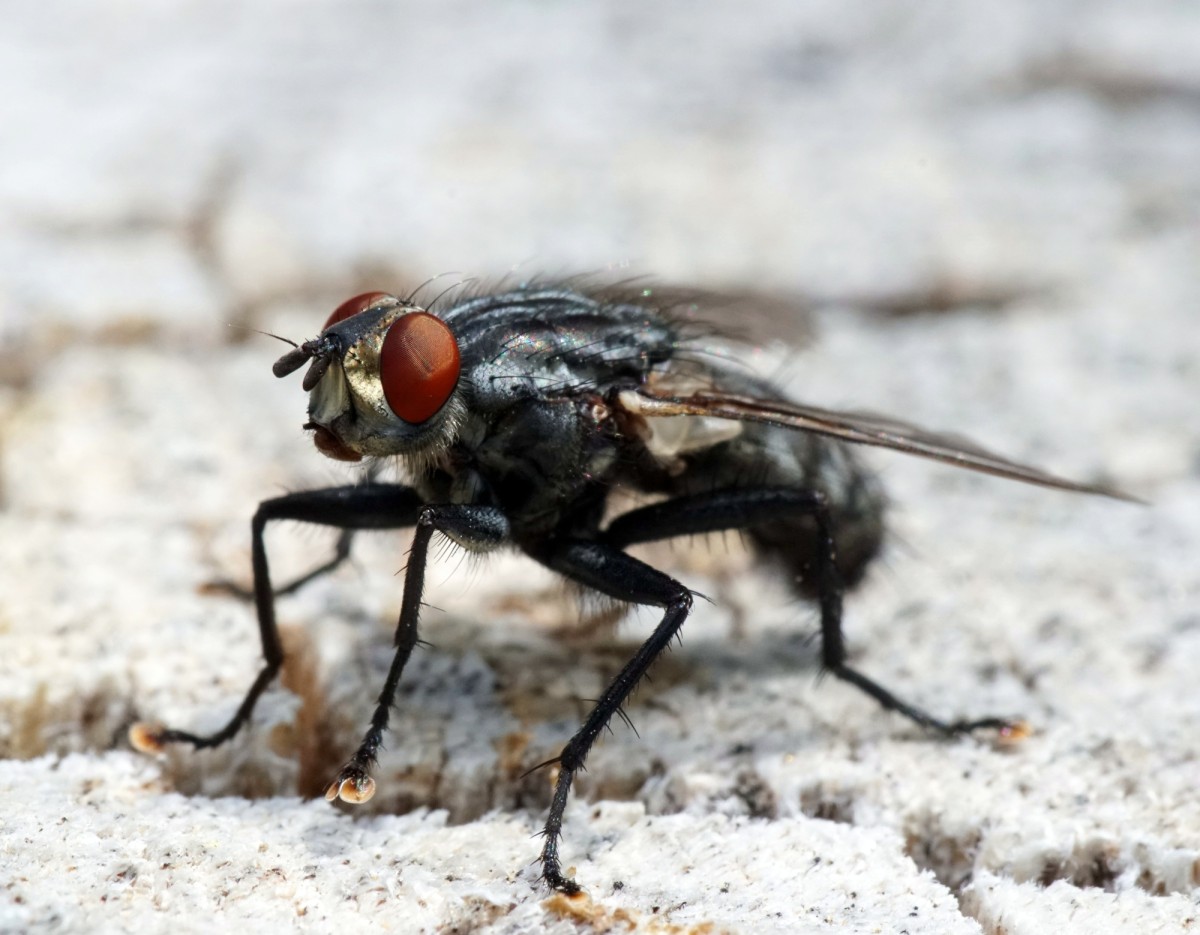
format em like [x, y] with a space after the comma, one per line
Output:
[175, 174]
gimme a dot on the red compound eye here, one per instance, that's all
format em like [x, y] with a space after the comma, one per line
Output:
[418, 366]
[351, 307]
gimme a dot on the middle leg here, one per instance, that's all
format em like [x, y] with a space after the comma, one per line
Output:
[612, 572]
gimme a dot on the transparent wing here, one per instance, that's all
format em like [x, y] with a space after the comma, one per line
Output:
[856, 427]
[744, 315]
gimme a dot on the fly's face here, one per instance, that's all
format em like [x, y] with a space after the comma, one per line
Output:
[382, 380]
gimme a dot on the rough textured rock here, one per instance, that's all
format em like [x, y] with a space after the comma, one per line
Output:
[989, 216]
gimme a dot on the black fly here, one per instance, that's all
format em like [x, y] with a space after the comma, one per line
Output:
[517, 414]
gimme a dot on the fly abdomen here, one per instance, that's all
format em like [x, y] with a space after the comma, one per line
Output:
[856, 505]
[765, 456]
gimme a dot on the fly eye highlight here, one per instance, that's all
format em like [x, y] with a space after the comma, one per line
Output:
[351, 307]
[419, 366]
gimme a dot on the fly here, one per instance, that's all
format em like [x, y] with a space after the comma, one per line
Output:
[516, 415]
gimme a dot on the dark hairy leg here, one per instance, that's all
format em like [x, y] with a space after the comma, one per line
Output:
[478, 528]
[746, 507]
[612, 572]
[341, 552]
[371, 506]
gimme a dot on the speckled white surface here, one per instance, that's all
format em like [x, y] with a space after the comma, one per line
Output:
[173, 175]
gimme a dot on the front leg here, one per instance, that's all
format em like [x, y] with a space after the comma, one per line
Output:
[341, 549]
[341, 552]
[374, 506]
[612, 572]
[477, 528]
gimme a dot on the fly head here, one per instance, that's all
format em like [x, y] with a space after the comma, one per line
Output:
[382, 380]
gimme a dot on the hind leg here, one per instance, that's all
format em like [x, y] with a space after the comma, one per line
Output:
[736, 508]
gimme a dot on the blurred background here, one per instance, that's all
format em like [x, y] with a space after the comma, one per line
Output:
[177, 168]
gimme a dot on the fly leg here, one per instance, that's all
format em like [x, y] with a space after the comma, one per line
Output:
[341, 552]
[746, 507]
[376, 506]
[475, 527]
[612, 572]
